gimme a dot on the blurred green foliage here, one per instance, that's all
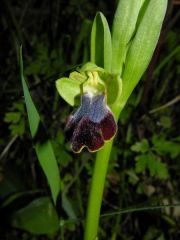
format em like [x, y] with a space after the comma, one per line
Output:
[16, 119]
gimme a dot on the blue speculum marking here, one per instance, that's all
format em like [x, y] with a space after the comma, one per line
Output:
[92, 124]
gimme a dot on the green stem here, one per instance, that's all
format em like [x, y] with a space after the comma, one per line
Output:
[96, 192]
[97, 187]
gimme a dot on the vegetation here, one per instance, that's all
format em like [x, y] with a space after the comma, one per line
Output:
[44, 186]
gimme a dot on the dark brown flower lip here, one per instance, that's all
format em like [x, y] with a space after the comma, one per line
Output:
[91, 125]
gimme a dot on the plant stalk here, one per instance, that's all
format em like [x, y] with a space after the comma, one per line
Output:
[96, 192]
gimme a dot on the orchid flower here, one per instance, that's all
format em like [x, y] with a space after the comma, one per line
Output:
[92, 124]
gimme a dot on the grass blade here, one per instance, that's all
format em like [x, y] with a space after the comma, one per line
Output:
[43, 149]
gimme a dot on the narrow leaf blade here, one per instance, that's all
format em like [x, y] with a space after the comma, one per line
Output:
[123, 28]
[142, 46]
[33, 116]
[44, 150]
[101, 49]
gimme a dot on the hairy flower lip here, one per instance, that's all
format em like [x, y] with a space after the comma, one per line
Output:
[91, 125]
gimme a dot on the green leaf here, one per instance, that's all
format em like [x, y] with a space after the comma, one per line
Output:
[38, 217]
[123, 29]
[141, 163]
[162, 170]
[152, 164]
[19, 106]
[12, 117]
[142, 46]
[33, 116]
[67, 206]
[44, 150]
[18, 128]
[65, 158]
[142, 146]
[163, 147]
[101, 49]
